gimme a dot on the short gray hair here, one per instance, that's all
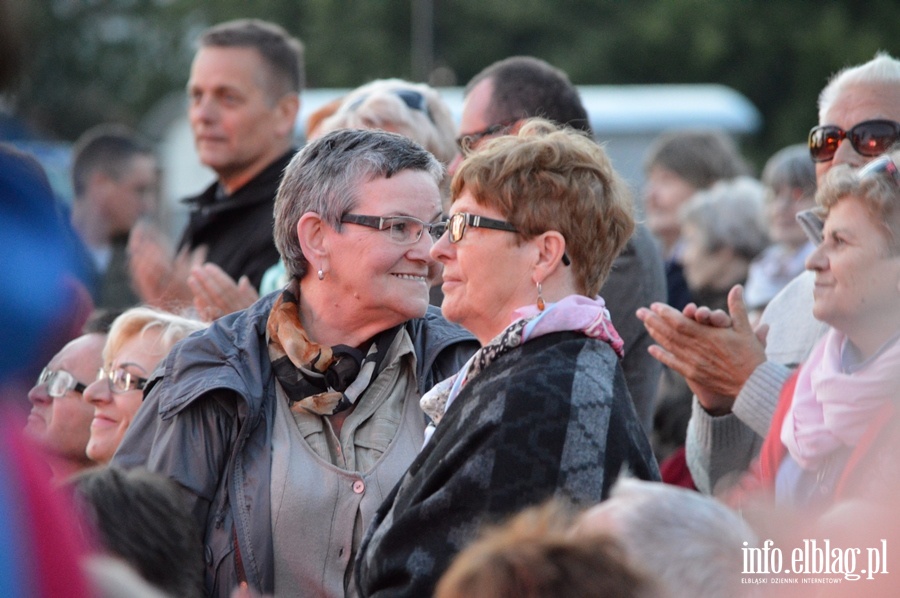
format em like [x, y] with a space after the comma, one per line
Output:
[883, 69]
[791, 167]
[730, 214]
[692, 543]
[324, 177]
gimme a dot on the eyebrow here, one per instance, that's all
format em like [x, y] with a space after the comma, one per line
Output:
[131, 364]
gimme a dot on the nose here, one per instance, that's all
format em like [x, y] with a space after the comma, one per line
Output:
[39, 395]
[817, 261]
[97, 392]
[203, 108]
[845, 154]
[440, 251]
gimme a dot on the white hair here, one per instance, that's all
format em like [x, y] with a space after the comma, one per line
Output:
[691, 543]
[730, 214]
[883, 69]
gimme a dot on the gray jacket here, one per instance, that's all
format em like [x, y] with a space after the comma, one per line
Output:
[207, 421]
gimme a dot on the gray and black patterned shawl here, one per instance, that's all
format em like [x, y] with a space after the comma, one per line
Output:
[550, 418]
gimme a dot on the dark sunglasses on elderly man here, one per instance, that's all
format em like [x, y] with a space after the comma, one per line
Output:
[869, 138]
[457, 223]
[884, 164]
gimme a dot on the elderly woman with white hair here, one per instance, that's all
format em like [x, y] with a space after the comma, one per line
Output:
[723, 230]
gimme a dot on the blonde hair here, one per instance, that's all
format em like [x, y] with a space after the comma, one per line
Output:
[139, 320]
[377, 105]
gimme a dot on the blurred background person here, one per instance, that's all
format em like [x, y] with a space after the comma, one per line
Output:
[116, 182]
[542, 409]
[690, 545]
[138, 341]
[414, 110]
[533, 555]
[243, 102]
[722, 232]
[60, 418]
[677, 165]
[289, 422]
[790, 180]
[141, 517]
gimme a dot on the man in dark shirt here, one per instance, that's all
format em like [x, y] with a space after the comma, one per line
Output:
[243, 101]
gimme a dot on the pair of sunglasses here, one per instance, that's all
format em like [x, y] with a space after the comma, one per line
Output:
[869, 138]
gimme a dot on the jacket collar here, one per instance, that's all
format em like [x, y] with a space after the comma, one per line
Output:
[256, 190]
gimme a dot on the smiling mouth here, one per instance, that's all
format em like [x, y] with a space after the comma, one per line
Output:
[415, 277]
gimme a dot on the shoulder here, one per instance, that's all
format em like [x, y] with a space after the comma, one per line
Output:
[229, 356]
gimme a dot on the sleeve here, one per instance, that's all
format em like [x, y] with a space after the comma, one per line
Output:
[719, 447]
[190, 447]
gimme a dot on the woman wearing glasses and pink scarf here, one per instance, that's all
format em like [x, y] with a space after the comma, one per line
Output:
[835, 426]
[138, 341]
[542, 408]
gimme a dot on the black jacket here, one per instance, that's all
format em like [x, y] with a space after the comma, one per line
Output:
[237, 230]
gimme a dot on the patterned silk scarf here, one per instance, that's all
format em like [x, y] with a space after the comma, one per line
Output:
[576, 313]
[323, 380]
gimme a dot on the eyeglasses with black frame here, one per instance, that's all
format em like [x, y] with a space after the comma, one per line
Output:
[457, 224]
[121, 380]
[59, 382]
[403, 230]
[869, 138]
[466, 143]
[884, 164]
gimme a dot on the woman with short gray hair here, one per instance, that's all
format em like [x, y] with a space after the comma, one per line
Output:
[289, 422]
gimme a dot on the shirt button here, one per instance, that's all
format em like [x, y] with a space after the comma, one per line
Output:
[359, 486]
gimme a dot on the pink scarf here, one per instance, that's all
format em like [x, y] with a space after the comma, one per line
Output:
[575, 312]
[831, 408]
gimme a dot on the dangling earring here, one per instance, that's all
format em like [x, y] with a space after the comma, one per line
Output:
[321, 274]
[540, 301]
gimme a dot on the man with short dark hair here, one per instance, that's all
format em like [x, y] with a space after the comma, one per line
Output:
[243, 101]
[496, 101]
[115, 178]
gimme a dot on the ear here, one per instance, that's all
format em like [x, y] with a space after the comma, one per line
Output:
[311, 233]
[551, 246]
[287, 108]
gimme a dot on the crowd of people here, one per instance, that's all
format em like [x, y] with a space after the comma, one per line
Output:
[414, 359]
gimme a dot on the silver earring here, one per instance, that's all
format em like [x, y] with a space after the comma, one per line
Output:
[321, 274]
[540, 301]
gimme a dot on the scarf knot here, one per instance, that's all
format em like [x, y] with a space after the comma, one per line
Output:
[323, 380]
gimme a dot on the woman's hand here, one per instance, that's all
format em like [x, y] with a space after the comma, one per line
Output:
[217, 294]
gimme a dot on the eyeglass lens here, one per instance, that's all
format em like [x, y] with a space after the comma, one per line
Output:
[59, 382]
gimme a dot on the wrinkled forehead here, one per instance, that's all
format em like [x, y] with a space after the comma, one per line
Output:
[860, 102]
